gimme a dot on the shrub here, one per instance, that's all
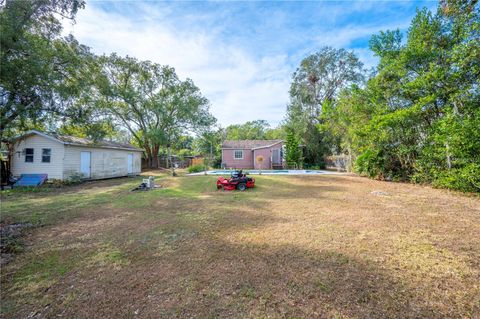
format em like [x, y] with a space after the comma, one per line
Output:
[73, 179]
[465, 179]
[196, 168]
[369, 163]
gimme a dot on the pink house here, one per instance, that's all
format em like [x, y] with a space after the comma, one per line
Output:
[245, 154]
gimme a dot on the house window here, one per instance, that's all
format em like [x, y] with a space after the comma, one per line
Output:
[29, 155]
[46, 154]
[238, 154]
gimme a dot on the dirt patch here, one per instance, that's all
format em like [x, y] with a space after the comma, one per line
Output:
[10, 240]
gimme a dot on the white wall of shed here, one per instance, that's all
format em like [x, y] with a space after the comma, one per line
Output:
[54, 169]
[105, 163]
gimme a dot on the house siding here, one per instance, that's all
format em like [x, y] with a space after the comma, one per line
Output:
[229, 160]
[249, 157]
[105, 162]
[54, 169]
[267, 155]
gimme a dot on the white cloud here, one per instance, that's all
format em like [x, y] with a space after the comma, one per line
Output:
[241, 62]
[367, 57]
[239, 86]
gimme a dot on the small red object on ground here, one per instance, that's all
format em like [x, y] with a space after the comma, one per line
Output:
[238, 180]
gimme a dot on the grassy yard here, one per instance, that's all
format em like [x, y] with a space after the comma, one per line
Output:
[293, 247]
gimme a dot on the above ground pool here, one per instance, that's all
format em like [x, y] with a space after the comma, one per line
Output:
[270, 172]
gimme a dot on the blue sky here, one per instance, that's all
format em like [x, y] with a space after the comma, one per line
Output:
[240, 54]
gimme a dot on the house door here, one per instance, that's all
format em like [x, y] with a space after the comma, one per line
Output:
[276, 157]
[130, 163]
[85, 164]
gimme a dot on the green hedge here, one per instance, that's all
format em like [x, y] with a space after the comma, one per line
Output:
[196, 168]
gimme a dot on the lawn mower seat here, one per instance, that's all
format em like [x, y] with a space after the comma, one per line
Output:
[237, 174]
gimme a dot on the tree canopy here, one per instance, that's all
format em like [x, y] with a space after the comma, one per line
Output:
[151, 102]
[42, 73]
[415, 118]
[254, 130]
[418, 117]
[315, 85]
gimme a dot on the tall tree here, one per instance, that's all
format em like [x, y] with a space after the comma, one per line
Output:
[151, 102]
[276, 133]
[293, 153]
[42, 73]
[418, 116]
[316, 84]
[97, 129]
[252, 130]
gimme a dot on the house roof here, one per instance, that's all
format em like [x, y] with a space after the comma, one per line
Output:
[249, 144]
[80, 141]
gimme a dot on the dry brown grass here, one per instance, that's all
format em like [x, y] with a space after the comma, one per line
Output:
[294, 247]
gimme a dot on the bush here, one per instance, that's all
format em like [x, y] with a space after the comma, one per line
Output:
[369, 163]
[465, 179]
[217, 162]
[73, 179]
[196, 168]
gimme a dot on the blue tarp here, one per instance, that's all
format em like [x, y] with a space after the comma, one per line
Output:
[31, 180]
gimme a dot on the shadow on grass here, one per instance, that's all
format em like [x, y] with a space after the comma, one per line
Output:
[214, 278]
[179, 260]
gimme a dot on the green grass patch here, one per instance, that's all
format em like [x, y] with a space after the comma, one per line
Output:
[177, 187]
[323, 285]
[293, 246]
[42, 272]
[50, 208]
[108, 255]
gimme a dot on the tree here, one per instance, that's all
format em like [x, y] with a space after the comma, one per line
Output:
[293, 153]
[252, 130]
[418, 118]
[276, 133]
[151, 102]
[320, 77]
[315, 85]
[94, 130]
[42, 74]
[208, 143]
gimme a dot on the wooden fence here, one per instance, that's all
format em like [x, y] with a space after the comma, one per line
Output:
[197, 161]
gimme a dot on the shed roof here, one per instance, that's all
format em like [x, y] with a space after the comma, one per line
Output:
[81, 141]
[249, 144]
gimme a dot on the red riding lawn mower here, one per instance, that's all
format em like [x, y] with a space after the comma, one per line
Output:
[238, 180]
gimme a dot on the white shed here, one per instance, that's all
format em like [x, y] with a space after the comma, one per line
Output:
[62, 156]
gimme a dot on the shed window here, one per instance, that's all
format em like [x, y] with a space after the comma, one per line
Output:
[46, 154]
[29, 155]
[238, 154]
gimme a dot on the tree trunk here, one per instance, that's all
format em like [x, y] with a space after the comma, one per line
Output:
[148, 153]
[155, 159]
[167, 158]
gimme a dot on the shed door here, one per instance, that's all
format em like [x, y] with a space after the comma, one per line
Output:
[130, 164]
[85, 164]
